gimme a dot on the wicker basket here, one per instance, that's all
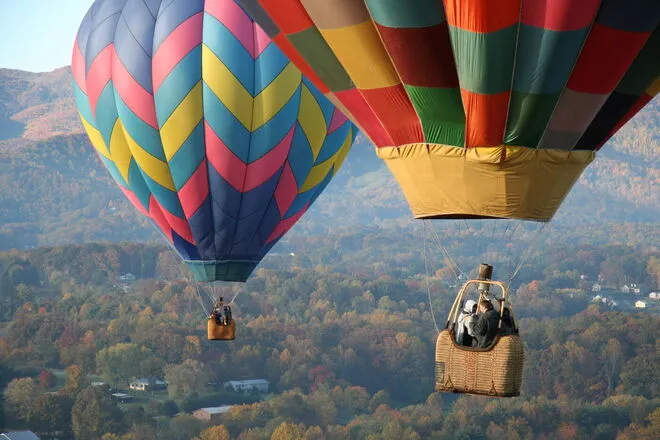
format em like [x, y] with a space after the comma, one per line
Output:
[493, 371]
[218, 332]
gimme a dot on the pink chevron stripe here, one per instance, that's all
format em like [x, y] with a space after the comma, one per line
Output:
[177, 45]
[78, 67]
[130, 195]
[99, 75]
[338, 119]
[238, 22]
[225, 162]
[266, 166]
[156, 214]
[179, 225]
[261, 40]
[195, 191]
[286, 224]
[140, 101]
[287, 190]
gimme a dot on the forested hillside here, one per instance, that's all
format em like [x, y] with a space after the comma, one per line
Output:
[343, 331]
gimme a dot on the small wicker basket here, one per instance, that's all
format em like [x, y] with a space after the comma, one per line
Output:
[493, 371]
[217, 332]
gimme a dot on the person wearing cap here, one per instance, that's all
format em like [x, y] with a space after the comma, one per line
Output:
[484, 328]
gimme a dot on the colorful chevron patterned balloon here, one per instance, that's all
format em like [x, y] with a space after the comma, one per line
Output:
[205, 125]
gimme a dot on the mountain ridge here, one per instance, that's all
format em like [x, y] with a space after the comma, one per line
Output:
[56, 191]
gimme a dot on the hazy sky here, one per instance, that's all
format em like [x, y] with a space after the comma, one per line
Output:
[37, 35]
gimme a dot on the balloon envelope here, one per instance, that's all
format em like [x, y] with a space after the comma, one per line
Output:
[205, 125]
[480, 108]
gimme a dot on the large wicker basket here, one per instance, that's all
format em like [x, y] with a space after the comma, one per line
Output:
[221, 332]
[493, 371]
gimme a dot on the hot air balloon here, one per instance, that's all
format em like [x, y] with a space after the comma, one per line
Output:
[481, 109]
[205, 125]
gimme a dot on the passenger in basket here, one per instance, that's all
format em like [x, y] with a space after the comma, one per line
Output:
[464, 335]
[507, 327]
[484, 328]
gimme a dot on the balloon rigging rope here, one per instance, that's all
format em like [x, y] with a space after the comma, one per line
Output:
[527, 253]
[201, 301]
[428, 285]
[452, 264]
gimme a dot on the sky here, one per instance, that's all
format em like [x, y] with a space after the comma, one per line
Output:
[38, 35]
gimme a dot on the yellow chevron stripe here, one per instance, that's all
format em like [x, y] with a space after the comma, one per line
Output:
[151, 166]
[181, 123]
[320, 171]
[227, 87]
[95, 138]
[312, 121]
[121, 153]
[271, 100]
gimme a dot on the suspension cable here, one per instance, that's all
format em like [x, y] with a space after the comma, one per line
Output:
[428, 284]
[526, 254]
[452, 264]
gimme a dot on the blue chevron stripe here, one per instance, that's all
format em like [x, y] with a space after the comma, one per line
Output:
[146, 136]
[270, 134]
[225, 124]
[186, 161]
[178, 84]
[230, 51]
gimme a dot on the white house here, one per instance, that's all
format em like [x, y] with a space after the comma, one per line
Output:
[640, 304]
[654, 295]
[245, 386]
[145, 384]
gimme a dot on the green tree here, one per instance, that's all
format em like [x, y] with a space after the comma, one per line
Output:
[94, 415]
[185, 379]
[51, 414]
[19, 396]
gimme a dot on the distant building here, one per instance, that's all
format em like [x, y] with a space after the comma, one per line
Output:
[245, 386]
[127, 277]
[640, 304]
[654, 295]
[122, 397]
[19, 435]
[147, 384]
[631, 288]
[210, 414]
[596, 287]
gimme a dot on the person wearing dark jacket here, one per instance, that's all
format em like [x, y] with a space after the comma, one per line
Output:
[484, 328]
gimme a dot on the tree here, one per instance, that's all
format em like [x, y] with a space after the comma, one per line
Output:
[94, 415]
[612, 360]
[185, 379]
[46, 379]
[121, 362]
[218, 432]
[19, 396]
[75, 381]
[288, 431]
[51, 414]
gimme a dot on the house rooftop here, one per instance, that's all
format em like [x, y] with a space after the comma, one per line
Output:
[217, 409]
[18, 435]
[248, 382]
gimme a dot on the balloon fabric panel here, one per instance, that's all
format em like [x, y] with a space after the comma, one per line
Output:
[202, 122]
[469, 73]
